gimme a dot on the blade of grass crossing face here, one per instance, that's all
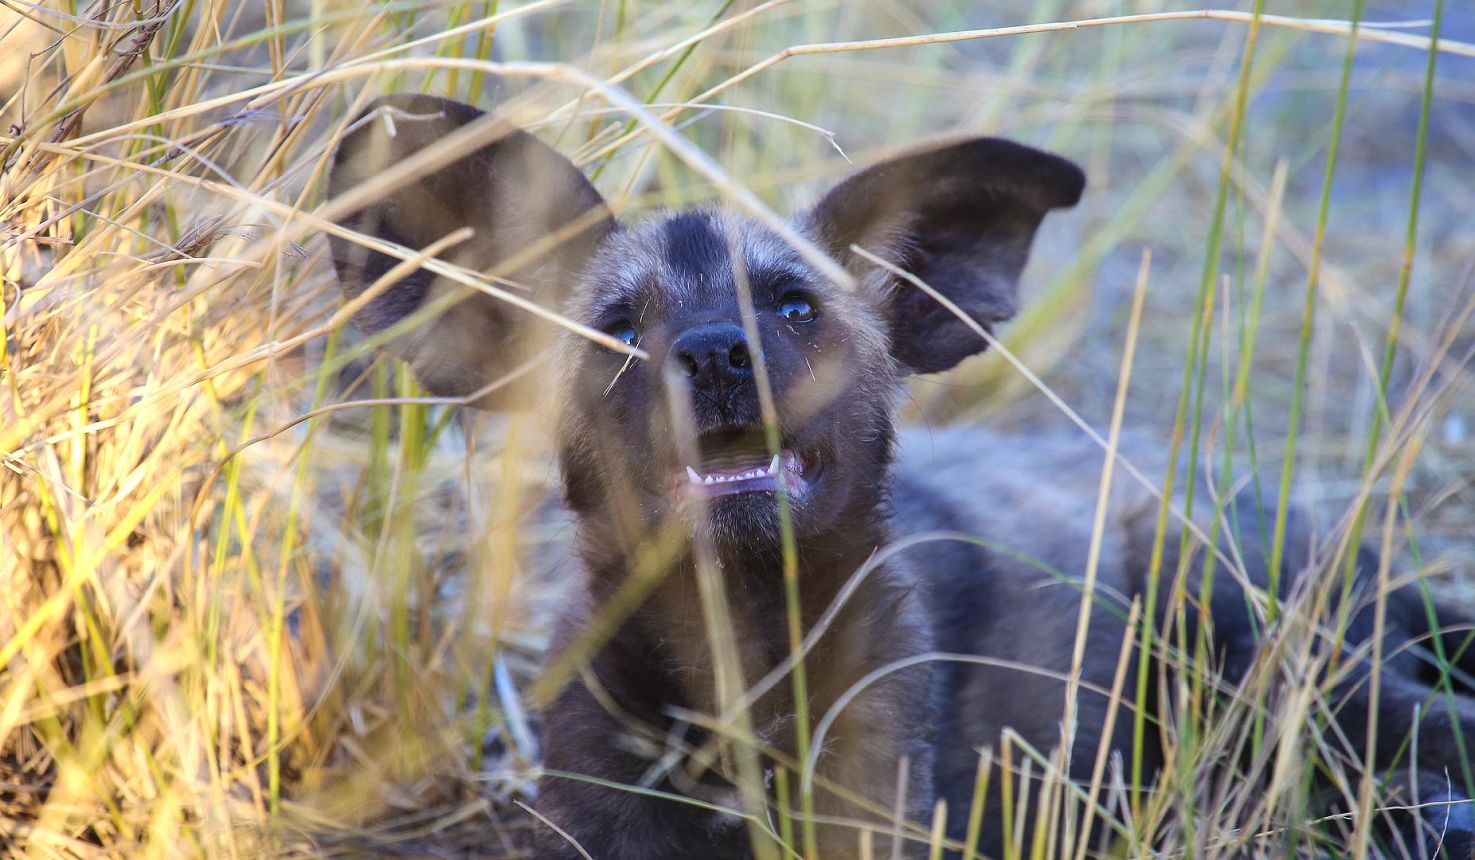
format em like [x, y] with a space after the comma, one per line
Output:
[788, 550]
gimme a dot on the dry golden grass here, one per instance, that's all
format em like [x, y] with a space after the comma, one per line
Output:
[229, 631]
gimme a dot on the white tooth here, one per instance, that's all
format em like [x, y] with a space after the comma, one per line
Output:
[709, 479]
[692, 474]
[773, 466]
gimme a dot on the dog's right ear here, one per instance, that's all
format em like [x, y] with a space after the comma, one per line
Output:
[961, 216]
[536, 222]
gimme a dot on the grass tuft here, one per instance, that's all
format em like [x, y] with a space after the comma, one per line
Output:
[259, 596]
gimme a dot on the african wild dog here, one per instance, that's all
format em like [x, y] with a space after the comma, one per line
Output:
[668, 473]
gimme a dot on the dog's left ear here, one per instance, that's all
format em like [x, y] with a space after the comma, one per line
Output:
[961, 217]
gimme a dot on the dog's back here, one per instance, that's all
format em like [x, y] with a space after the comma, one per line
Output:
[1013, 520]
[1005, 584]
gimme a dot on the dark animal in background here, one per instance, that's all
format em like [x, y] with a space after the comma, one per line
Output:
[668, 472]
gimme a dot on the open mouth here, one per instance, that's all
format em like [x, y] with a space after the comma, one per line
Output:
[732, 463]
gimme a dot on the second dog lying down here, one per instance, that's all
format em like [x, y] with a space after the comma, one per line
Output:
[672, 477]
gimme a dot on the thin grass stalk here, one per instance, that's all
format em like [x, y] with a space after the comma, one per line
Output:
[1196, 355]
[1308, 313]
[1129, 351]
[1239, 408]
[1390, 350]
[668, 75]
[1103, 499]
[1330, 27]
[1361, 834]
[1199, 354]
[977, 803]
[939, 832]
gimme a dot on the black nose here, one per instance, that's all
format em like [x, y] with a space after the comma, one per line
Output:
[714, 355]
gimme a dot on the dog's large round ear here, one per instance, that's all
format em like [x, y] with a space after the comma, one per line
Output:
[535, 220]
[961, 217]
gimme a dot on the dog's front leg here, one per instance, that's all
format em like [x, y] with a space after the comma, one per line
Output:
[873, 779]
[593, 791]
[861, 805]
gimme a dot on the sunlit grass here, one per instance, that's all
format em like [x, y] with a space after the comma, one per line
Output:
[261, 596]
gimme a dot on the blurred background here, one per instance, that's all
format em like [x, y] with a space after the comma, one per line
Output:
[239, 617]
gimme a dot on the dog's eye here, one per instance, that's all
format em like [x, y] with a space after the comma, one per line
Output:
[797, 307]
[624, 332]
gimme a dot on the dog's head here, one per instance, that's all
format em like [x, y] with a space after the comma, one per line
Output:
[732, 319]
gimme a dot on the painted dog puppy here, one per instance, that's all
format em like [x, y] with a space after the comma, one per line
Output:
[682, 498]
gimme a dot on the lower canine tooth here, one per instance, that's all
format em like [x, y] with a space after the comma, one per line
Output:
[692, 474]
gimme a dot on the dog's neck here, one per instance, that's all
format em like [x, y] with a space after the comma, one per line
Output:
[746, 587]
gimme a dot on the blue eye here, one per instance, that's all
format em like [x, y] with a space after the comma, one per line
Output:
[624, 332]
[797, 307]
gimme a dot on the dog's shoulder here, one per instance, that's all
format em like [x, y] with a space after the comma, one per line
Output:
[1029, 498]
